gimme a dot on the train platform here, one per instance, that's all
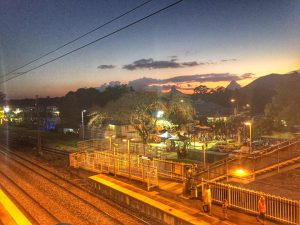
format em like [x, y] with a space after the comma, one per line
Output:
[168, 197]
[9, 212]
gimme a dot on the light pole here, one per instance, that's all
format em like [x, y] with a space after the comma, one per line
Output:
[204, 153]
[204, 157]
[82, 121]
[233, 105]
[129, 155]
[159, 114]
[6, 111]
[250, 131]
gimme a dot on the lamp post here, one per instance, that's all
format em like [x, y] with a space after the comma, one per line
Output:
[159, 114]
[233, 105]
[250, 131]
[204, 153]
[6, 111]
[129, 155]
[115, 148]
[82, 121]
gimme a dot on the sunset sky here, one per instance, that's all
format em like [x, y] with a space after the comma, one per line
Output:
[195, 42]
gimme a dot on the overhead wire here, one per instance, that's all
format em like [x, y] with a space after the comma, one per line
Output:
[77, 38]
[92, 42]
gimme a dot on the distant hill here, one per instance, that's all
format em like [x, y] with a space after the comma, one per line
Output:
[233, 86]
[272, 81]
[174, 91]
[262, 90]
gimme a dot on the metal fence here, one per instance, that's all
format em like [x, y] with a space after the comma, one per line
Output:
[165, 168]
[93, 145]
[278, 208]
[268, 158]
[171, 170]
[116, 164]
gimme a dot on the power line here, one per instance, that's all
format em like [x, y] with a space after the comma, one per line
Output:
[77, 38]
[99, 39]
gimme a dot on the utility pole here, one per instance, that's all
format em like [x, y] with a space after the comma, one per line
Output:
[39, 138]
[82, 122]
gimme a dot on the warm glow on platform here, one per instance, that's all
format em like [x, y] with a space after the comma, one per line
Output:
[240, 173]
[14, 212]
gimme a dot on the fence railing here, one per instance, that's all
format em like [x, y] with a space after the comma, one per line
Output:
[275, 155]
[171, 170]
[165, 168]
[93, 145]
[278, 208]
[116, 164]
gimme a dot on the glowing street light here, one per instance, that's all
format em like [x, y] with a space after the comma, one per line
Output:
[240, 172]
[233, 101]
[159, 114]
[250, 131]
[6, 109]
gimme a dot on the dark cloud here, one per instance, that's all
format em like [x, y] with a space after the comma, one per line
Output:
[104, 67]
[193, 63]
[213, 77]
[229, 60]
[174, 57]
[162, 64]
[151, 64]
[247, 75]
[155, 84]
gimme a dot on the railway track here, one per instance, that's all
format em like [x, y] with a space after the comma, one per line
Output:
[44, 216]
[75, 192]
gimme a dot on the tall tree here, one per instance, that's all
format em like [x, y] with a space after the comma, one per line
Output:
[180, 110]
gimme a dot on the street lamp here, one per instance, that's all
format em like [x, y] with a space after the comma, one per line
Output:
[159, 114]
[240, 172]
[233, 102]
[204, 156]
[6, 109]
[250, 131]
[82, 121]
